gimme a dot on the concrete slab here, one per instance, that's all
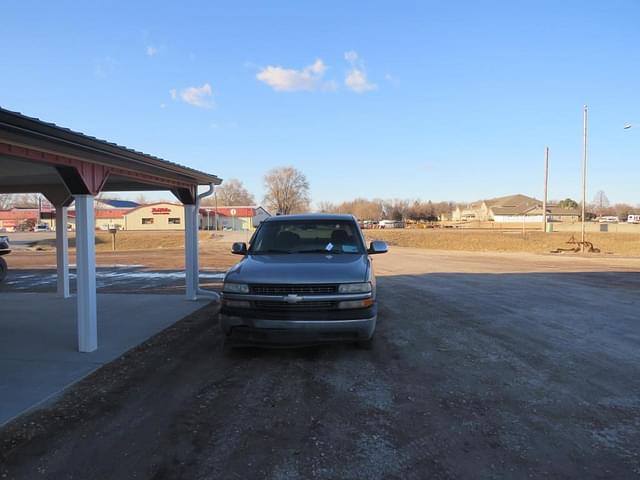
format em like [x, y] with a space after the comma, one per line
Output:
[39, 354]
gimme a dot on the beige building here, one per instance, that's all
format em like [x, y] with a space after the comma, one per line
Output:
[155, 216]
[237, 218]
[513, 209]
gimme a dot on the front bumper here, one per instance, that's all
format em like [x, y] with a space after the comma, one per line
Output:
[245, 329]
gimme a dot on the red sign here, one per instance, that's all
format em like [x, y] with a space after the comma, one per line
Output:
[160, 211]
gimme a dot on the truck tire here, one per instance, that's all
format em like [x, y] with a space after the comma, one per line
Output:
[3, 269]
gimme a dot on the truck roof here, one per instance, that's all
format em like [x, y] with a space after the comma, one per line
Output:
[311, 216]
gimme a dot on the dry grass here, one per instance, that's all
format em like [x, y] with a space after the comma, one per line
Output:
[627, 244]
[128, 240]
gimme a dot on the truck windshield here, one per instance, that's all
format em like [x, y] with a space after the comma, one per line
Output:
[307, 236]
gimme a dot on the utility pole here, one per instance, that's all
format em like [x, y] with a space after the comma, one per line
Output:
[584, 173]
[215, 216]
[546, 180]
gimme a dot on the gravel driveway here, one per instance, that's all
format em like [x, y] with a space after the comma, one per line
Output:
[496, 369]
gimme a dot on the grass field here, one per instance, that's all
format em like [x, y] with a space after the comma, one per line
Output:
[627, 244]
[127, 240]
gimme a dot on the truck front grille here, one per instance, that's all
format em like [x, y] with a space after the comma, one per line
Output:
[302, 306]
[285, 289]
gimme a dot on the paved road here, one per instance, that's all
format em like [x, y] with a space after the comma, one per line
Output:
[23, 240]
[109, 279]
[485, 366]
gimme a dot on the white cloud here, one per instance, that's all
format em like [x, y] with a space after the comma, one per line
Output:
[163, 105]
[356, 78]
[351, 56]
[152, 51]
[357, 81]
[196, 96]
[289, 79]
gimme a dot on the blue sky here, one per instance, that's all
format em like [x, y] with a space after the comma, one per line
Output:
[441, 101]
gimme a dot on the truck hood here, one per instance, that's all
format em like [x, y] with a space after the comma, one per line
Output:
[300, 268]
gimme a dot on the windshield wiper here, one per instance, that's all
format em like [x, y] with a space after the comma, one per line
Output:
[271, 250]
[318, 250]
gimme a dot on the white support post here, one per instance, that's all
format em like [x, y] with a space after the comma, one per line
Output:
[62, 252]
[86, 274]
[191, 251]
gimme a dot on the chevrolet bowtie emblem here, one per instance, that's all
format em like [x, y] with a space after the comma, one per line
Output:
[292, 298]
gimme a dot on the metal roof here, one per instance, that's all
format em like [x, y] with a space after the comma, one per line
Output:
[119, 203]
[17, 123]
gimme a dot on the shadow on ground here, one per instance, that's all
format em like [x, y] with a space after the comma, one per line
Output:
[116, 279]
[471, 375]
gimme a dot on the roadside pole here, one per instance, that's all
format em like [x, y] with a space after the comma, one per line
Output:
[215, 215]
[546, 180]
[584, 173]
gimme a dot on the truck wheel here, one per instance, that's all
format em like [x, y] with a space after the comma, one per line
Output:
[3, 269]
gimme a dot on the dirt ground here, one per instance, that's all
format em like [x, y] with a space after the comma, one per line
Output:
[125, 240]
[464, 239]
[610, 243]
[213, 255]
[485, 365]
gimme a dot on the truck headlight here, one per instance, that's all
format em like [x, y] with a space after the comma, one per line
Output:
[364, 287]
[235, 287]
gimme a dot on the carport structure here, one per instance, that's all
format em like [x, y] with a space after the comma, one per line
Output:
[67, 166]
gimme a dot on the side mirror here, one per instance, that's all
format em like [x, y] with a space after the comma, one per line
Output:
[239, 248]
[378, 246]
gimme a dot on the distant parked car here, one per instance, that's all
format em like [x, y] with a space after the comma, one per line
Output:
[41, 227]
[391, 224]
[4, 250]
[609, 219]
[633, 218]
[111, 226]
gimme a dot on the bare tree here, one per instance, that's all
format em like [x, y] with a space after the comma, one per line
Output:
[600, 202]
[326, 207]
[141, 199]
[6, 201]
[287, 190]
[26, 200]
[232, 192]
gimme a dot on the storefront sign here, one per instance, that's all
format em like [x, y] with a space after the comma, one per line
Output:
[160, 211]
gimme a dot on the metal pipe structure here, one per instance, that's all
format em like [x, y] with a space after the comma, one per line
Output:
[192, 261]
[191, 213]
[584, 174]
[546, 180]
[62, 252]
[86, 273]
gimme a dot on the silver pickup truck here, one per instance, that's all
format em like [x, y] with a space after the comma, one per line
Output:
[303, 279]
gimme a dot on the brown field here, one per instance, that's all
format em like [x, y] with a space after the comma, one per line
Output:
[157, 250]
[472, 240]
[129, 240]
[626, 244]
